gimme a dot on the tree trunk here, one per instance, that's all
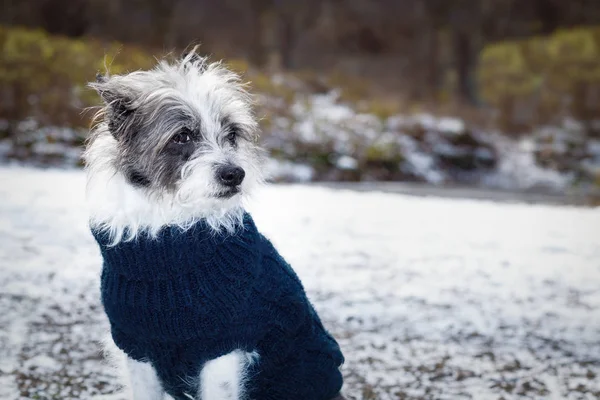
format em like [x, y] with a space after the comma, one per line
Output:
[162, 12]
[260, 22]
[465, 54]
[548, 15]
[432, 65]
[287, 41]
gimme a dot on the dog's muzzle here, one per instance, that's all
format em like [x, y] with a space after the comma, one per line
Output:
[230, 176]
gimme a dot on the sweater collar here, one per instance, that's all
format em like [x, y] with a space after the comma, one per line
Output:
[175, 251]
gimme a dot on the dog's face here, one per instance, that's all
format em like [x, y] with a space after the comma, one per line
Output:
[183, 130]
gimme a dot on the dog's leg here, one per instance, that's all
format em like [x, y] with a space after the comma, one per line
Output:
[223, 378]
[140, 379]
[143, 381]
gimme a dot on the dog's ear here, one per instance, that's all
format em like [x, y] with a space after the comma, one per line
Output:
[119, 106]
[101, 78]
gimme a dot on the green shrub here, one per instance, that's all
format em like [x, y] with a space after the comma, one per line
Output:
[44, 77]
[542, 79]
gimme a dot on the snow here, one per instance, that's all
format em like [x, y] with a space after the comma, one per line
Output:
[346, 162]
[428, 122]
[278, 170]
[594, 147]
[518, 170]
[420, 163]
[320, 119]
[318, 137]
[430, 298]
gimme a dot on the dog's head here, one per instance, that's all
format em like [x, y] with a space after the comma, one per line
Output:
[182, 136]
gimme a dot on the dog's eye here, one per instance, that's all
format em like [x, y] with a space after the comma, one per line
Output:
[232, 135]
[182, 137]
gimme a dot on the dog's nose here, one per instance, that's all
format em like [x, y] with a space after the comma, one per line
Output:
[231, 175]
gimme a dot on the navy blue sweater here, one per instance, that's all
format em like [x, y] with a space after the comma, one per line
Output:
[187, 297]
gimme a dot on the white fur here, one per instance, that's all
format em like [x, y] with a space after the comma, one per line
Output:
[143, 381]
[224, 378]
[118, 207]
[140, 380]
[210, 91]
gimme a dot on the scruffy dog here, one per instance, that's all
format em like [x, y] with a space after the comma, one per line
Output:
[200, 302]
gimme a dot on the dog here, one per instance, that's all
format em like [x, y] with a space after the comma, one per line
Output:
[200, 303]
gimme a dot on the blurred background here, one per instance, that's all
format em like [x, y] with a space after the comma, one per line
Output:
[499, 94]
[430, 298]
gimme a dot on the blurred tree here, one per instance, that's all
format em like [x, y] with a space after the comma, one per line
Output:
[293, 19]
[259, 27]
[409, 46]
[161, 13]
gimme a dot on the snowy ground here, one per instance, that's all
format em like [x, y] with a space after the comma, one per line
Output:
[430, 298]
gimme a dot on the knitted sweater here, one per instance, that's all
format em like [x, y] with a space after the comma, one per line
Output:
[189, 296]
